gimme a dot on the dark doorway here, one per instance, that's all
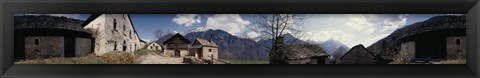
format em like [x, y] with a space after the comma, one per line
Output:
[177, 53]
[69, 47]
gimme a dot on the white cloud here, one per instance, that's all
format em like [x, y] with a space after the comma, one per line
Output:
[252, 34]
[373, 22]
[75, 16]
[187, 19]
[146, 40]
[329, 34]
[232, 23]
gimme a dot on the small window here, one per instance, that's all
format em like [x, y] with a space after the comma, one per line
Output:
[37, 41]
[115, 46]
[124, 28]
[458, 41]
[114, 24]
[209, 50]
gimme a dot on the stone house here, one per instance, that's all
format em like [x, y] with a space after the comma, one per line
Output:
[176, 46]
[305, 54]
[360, 55]
[36, 39]
[154, 46]
[204, 49]
[113, 32]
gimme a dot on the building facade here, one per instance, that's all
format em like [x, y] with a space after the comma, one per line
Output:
[35, 39]
[176, 46]
[113, 32]
[154, 46]
[204, 49]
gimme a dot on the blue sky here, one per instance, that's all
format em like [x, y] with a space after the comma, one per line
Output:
[350, 29]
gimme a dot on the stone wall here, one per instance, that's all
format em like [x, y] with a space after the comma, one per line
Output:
[83, 47]
[43, 47]
[456, 47]
[209, 52]
[407, 51]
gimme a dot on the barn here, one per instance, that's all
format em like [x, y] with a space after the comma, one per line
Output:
[176, 46]
[49, 36]
[360, 55]
[435, 45]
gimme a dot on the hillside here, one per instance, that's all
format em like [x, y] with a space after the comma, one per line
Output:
[230, 46]
[45, 21]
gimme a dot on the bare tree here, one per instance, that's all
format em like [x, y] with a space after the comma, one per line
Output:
[274, 26]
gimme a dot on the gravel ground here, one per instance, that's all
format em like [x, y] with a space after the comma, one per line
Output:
[158, 59]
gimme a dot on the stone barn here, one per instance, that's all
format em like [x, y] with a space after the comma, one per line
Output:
[305, 54]
[154, 46]
[360, 55]
[176, 46]
[435, 45]
[113, 32]
[204, 49]
[49, 36]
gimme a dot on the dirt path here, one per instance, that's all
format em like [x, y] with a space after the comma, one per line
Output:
[158, 59]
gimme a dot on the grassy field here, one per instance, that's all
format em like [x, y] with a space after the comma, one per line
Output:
[236, 61]
[107, 58]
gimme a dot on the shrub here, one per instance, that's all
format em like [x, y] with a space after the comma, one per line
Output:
[454, 61]
[118, 57]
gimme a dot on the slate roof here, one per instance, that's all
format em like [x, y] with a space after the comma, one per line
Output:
[181, 37]
[302, 51]
[206, 42]
[359, 47]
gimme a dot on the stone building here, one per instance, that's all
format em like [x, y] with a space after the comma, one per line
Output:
[154, 46]
[176, 46]
[360, 55]
[407, 51]
[113, 32]
[305, 54]
[456, 47]
[435, 45]
[204, 49]
[49, 36]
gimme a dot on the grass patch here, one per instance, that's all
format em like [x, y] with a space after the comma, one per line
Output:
[115, 57]
[455, 61]
[90, 59]
[236, 61]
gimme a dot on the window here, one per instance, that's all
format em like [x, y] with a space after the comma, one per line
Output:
[115, 46]
[209, 50]
[115, 24]
[458, 41]
[37, 41]
[124, 29]
[124, 45]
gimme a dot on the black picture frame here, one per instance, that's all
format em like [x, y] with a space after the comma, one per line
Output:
[10, 7]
